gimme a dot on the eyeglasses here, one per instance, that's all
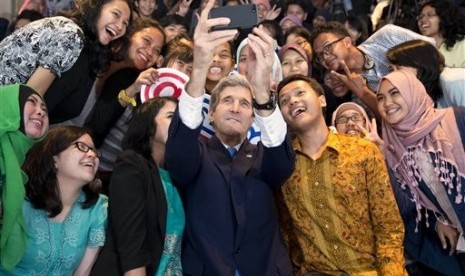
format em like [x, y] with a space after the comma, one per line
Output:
[355, 118]
[327, 49]
[428, 15]
[85, 148]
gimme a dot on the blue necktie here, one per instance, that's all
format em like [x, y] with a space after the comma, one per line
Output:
[232, 151]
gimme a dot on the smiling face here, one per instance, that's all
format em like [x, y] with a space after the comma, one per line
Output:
[428, 22]
[293, 63]
[75, 166]
[147, 7]
[222, 63]
[112, 21]
[233, 115]
[331, 49]
[391, 104]
[144, 50]
[301, 106]
[35, 117]
[350, 127]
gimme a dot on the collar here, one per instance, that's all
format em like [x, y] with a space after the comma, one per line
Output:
[332, 143]
[237, 147]
[369, 62]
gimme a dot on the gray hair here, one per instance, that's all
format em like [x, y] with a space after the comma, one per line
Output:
[229, 81]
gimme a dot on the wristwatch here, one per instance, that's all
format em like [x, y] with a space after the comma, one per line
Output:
[126, 99]
[270, 105]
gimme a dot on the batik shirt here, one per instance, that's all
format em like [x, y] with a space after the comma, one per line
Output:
[53, 43]
[57, 248]
[338, 212]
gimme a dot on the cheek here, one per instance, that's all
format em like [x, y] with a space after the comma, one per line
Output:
[241, 68]
[379, 105]
[304, 68]
[341, 128]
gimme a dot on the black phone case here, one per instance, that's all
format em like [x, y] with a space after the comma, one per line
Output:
[242, 16]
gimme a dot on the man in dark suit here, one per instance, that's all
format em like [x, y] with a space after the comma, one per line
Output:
[231, 221]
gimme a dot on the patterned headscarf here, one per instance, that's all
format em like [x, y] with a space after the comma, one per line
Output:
[429, 130]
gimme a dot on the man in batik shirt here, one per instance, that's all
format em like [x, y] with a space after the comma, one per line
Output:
[338, 211]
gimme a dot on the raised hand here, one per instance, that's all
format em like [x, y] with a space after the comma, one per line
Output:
[259, 63]
[273, 13]
[205, 42]
[147, 77]
[357, 84]
[372, 134]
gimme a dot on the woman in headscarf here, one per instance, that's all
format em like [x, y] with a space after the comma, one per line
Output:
[23, 122]
[425, 149]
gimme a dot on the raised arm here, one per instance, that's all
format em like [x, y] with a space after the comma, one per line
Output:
[259, 63]
[205, 42]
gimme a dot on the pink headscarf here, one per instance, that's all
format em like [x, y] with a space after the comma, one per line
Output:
[430, 130]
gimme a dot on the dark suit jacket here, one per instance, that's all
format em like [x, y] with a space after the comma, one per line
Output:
[231, 220]
[136, 217]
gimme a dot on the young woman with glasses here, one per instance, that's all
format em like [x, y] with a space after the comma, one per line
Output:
[65, 217]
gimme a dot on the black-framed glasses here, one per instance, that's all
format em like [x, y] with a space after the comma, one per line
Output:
[85, 148]
[327, 49]
[355, 118]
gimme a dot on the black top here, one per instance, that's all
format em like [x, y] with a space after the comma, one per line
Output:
[67, 95]
[136, 218]
[108, 109]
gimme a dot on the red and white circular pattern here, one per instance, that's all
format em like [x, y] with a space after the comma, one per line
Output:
[171, 82]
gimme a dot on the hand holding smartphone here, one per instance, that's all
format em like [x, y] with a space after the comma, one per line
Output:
[241, 16]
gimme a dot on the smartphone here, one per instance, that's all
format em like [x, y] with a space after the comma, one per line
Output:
[242, 16]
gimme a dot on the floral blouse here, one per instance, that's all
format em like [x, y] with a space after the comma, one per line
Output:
[53, 43]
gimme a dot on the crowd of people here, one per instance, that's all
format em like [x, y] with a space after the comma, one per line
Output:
[322, 141]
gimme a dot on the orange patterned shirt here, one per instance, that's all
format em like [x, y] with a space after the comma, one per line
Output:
[338, 213]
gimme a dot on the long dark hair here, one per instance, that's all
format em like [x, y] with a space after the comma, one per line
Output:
[100, 56]
[424, 57]
[451, 21]
[42, 188]
[142, 128]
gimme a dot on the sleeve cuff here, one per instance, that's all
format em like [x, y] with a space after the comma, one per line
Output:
[190, 110]
[273, 128]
